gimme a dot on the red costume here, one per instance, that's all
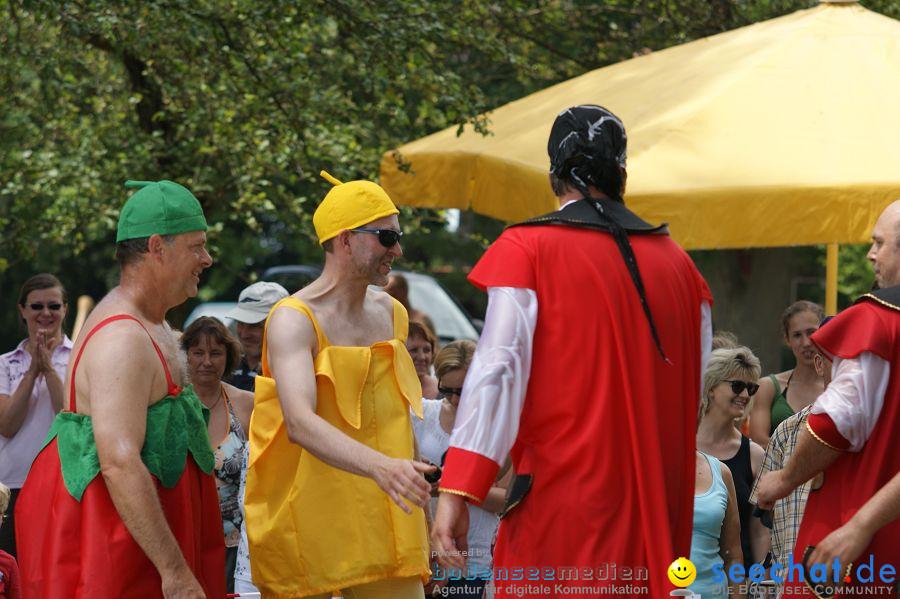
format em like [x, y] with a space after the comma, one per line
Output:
[607, 428]
[72, 542]
[869, 327]
[10, 587]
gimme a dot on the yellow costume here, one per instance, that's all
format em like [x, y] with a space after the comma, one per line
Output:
[313, 528]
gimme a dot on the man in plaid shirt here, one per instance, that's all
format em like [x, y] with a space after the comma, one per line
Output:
[788, 512]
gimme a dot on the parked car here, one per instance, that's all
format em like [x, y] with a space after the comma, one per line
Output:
[425, 294]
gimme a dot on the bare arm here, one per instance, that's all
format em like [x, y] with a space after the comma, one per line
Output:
[730, 539]
[242, 402]
[119, 398]
[761, 414]
[14, 407]
[290, 340]
[809, 458]
[496, 497]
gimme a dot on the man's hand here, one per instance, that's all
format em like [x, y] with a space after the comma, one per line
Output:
[404, 479]
[772, 487]
[846, 544]
[181, 584]
[451, 525]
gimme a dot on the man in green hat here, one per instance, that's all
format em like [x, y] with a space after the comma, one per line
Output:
[121, 500]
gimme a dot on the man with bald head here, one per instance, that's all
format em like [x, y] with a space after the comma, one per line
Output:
[850, 431]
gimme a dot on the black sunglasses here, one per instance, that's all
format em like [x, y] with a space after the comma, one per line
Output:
[448, 391]
[386, 237]
[38, 307]
[738, 386]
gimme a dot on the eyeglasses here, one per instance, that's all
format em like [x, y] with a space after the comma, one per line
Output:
[448, 391]
[386, 237]
[38, 307]
[738, 387]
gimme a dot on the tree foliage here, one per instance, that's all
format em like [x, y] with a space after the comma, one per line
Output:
[244, 101]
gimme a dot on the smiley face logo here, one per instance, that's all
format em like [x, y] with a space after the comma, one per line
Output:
[682, 572]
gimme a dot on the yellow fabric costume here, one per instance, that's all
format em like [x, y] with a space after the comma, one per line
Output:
[313, 528]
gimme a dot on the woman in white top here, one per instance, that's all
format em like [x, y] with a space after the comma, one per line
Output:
[31, 386]
[433, 439]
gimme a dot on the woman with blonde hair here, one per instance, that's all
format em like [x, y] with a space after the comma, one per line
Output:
[433, 438]
[729, 382]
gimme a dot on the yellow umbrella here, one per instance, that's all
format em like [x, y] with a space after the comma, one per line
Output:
[785, 132]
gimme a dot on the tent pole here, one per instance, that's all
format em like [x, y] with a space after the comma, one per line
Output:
[831, 273]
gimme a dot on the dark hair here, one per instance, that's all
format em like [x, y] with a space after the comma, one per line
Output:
[798, 307]
[328, 246]
[605, 174]
[420, 329]
[41, 281]
[213, 327]
[131, 251]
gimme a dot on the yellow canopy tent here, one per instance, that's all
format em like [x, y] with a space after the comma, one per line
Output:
[785, 132]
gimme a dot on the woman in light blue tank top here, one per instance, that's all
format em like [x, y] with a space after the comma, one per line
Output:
[716, 531]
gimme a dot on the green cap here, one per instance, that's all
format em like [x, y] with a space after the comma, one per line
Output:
[159, 207]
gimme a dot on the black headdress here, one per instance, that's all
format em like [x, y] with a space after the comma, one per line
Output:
[587, 147]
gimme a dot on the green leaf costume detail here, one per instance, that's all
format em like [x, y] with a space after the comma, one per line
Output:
[176, 425]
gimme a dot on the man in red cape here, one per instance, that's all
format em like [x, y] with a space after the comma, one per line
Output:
[121, 501]
[851, 436]
[588, 372]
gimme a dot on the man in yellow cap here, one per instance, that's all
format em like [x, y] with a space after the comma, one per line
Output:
[334, 497]
[121, 502]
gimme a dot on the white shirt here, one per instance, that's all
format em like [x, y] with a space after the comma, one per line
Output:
[17, 452]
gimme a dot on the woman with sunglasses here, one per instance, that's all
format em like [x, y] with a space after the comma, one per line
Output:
[433, 439]
[31, 386]
[729, 382]
[773, 405]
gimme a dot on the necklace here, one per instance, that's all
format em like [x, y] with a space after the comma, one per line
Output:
[218, 399]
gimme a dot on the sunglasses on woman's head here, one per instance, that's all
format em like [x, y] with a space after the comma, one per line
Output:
[386, 237]
[738, 386]
[38, 307]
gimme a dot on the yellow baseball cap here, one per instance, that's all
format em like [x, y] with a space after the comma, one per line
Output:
[350, 205]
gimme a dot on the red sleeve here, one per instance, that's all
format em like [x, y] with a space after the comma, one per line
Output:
[859, 328]
[823, 428]
[507, 263]
[10, 585]
[468, 474]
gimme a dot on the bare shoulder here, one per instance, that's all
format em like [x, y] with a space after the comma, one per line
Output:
[381, 299]
[765, 394]
[239, 397]
[726, 474]
[123, 343]
[118, 365]
[290, 328]
[242, 402]
[757, 453]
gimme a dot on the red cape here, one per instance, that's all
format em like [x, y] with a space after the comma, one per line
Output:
[608, 427]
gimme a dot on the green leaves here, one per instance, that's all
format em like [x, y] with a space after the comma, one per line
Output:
[246, 101]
